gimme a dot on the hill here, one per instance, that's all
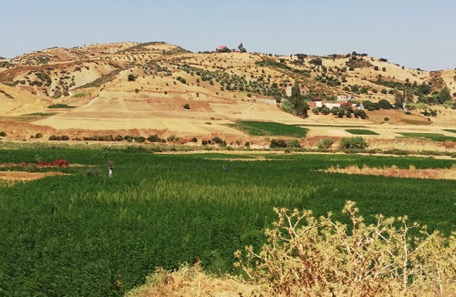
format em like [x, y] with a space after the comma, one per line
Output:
[156, 87]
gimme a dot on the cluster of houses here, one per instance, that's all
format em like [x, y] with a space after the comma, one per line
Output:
[319, 102]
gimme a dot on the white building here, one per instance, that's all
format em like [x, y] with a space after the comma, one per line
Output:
[344, 98]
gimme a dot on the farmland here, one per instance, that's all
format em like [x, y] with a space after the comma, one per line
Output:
[85, 234]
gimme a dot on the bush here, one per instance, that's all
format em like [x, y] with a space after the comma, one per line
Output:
[384, 104]
[325, 144]
[139, 139]
[60, 105]
[56, 138]
[2, 134]
[131, 77]
[217, 140]
[353, 143]
[278, 143]
[187, 106]
[307, 255]
[293, 143]
[153, 138]
[316, 61]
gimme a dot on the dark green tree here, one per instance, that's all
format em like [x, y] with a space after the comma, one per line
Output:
[297, 101]
[241, 48]
[316, 61]
[384, 104]
[444, 95]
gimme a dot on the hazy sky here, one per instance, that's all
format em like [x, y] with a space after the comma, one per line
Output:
[413, 33]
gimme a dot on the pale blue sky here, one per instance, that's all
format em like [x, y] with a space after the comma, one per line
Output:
[414, 33]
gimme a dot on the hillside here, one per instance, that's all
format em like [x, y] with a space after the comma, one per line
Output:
[142, 88]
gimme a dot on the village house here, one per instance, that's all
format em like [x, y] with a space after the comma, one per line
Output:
[344, 98]
[303, 90]
[332, 105]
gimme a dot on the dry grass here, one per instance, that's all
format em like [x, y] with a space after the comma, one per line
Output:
[394, 171]
[25, 176]
[191, 281]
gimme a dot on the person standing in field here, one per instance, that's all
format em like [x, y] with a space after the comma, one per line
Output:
[110, 166]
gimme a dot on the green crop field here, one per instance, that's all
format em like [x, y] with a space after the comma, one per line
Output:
[270, 128]
[86, 234]
[361, 132]
[431, 136]
[450, 130]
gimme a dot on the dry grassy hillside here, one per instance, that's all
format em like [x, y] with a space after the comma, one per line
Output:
[145, 86]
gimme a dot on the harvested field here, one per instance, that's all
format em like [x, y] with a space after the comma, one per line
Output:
[25, 176]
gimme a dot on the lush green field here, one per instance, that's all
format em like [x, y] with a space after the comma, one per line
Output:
[361, 132]
[431, 136]
[271, 128]
[450, 130]
[86, 234]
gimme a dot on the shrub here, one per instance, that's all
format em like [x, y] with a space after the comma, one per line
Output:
[217, 140]
[325, 143]
[153, 138]
[307, 255]
[62, 137]
[60, 105]
[187, 106]
[2, 134]
[384, 104]
[293, 143]
[278, 143]
[316, 61]
[139, 139]
[353, 143]
[340, 113]
[131, 77]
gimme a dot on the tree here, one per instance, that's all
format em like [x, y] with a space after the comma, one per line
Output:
[398, 100]
[298, 104]
[409, 95]
[131, 77]
[355, 88]
[316, 61]
[384, 104]
[241, 48]
[444, 95]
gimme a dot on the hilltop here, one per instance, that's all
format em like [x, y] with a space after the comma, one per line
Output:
[160, 88]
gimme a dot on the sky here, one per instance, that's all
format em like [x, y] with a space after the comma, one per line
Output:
[412, 33]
